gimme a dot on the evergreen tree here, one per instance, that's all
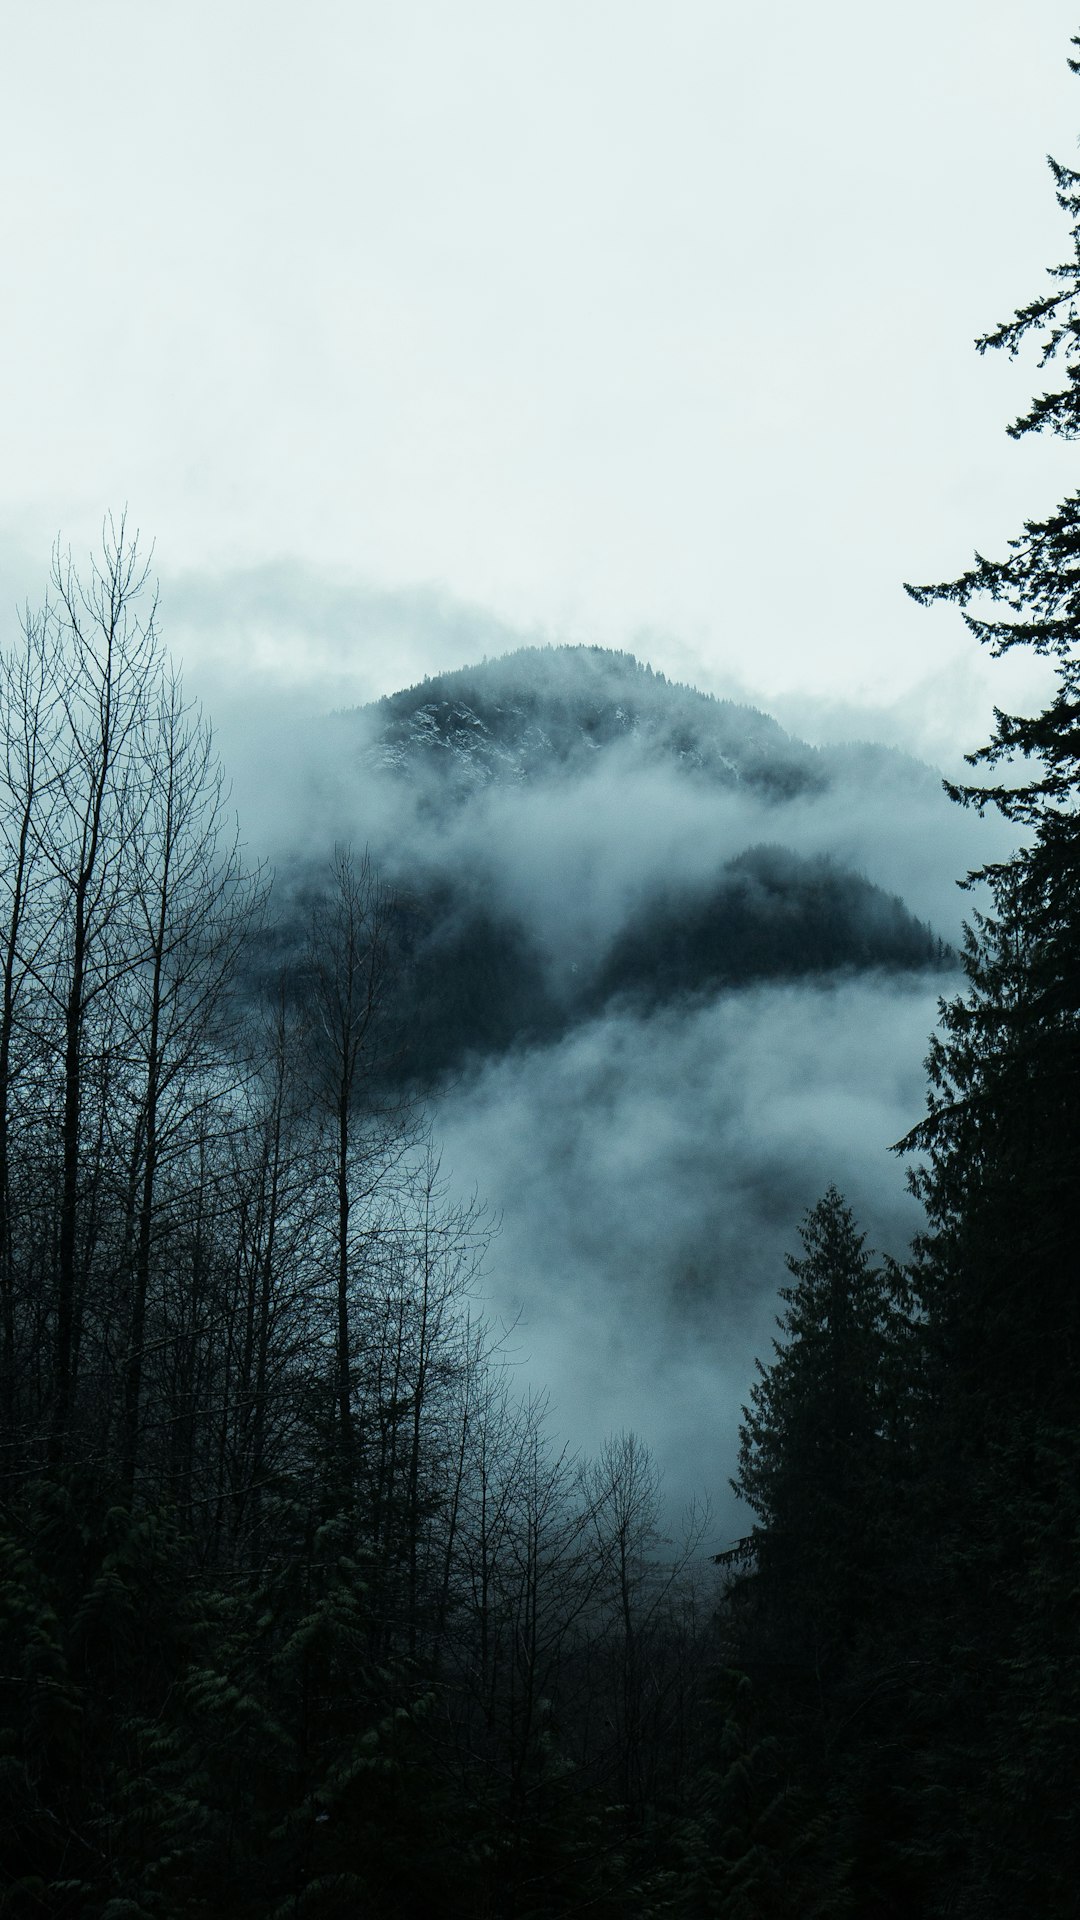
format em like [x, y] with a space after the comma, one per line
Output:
[996, 1270]
[1031, 598]
[825, 1462]
[819, 1440]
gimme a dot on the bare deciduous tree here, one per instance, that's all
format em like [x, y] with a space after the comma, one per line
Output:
[347, 977]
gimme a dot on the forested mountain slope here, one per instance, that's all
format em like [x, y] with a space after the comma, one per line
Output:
[540, 712]
[514, 791]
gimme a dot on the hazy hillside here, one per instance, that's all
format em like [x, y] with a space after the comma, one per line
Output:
[543, 712]
[665, 971]
[527, 814]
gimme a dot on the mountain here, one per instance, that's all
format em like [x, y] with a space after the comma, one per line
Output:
[566, 831]
[667, 972]
[542, 713]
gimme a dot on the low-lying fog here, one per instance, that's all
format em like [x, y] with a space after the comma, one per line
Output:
[573, 858]
[651, 1174]
[651, 1171]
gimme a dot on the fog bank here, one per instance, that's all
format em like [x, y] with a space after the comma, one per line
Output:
[651, 1175]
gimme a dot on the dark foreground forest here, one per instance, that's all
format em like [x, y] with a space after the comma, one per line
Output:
[302, 1612]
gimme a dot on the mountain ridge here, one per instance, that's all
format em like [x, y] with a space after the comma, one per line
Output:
[545, 709]
[568, 831]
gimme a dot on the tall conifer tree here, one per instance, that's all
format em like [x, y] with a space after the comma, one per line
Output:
[997, 1268]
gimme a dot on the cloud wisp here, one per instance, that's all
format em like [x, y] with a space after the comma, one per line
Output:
[651, 1174]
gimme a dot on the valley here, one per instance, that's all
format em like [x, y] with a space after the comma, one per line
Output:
[643, 973]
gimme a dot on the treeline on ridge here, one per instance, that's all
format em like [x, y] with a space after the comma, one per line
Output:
[544, 712]
[467, 980]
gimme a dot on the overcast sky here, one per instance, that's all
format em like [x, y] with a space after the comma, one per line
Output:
[403, 328]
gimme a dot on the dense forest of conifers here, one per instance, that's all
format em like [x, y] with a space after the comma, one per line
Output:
[302, 1612]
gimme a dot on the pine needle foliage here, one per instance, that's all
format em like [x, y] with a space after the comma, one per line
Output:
[999, 1648]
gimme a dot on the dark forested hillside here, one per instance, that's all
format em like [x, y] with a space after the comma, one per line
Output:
[540, 712]
[478, 773]
[472, 983]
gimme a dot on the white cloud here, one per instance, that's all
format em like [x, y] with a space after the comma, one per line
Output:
[605, 317]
